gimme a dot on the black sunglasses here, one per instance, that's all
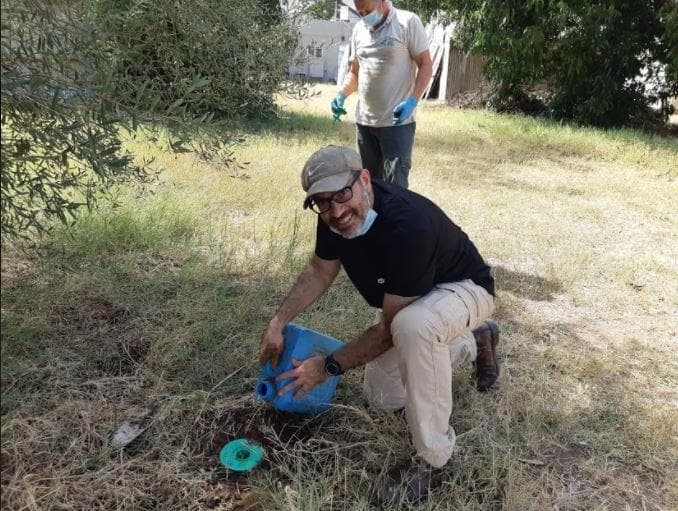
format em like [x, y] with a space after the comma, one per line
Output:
[320, 205]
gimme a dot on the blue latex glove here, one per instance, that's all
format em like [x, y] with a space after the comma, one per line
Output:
[404, 110]
[338, 106]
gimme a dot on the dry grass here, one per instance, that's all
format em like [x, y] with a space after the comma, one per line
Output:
[165, 299]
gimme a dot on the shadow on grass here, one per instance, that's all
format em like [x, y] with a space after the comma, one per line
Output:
[156, 316]
[160, 311]
[526, 285]
[298, 127]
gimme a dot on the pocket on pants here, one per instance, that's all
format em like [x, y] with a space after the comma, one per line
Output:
[454, 316]
[483, 303]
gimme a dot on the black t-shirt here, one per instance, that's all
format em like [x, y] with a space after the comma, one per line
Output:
[411, 246]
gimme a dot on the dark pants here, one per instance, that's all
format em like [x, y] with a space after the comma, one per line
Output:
[387, 152]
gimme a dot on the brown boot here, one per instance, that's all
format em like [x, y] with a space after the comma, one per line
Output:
[487, 365]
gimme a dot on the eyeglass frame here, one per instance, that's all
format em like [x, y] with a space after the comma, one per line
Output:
[308, 203]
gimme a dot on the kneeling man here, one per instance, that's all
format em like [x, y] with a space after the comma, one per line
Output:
[407, 258]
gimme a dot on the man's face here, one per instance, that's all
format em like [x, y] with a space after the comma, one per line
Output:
[348, 217]
[364, 7]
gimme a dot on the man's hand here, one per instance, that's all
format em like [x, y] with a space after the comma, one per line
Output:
[404, 110]
[272, 345]
[313, 282]
[338, 107]
[338, 103]
[307, 374]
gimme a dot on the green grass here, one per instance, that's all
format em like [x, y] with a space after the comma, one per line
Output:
[166, 297]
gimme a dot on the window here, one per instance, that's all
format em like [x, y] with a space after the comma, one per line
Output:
[315, 51]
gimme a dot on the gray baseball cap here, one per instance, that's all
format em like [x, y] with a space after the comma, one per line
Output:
[329, 169]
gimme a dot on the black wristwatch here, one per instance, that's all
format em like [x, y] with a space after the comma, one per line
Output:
[332, 367]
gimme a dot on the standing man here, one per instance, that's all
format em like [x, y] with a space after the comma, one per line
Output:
[390, 67]
[435, 292]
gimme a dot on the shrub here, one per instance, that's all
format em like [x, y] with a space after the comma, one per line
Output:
[590, 54]
[218, 56]
[60, 139]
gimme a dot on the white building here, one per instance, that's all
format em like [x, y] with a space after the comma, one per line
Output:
[323, 45]
[320, 44]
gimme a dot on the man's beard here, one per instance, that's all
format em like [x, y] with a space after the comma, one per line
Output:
[358, 228]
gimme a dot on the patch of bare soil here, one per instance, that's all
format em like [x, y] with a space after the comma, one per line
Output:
[270, 428]
[105, 328]
[87, 311]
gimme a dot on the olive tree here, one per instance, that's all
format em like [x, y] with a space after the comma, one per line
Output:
[79, 74]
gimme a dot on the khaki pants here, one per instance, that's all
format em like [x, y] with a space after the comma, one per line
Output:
[432, 337]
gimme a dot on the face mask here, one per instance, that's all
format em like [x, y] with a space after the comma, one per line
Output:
[370, 217]
[372, 19]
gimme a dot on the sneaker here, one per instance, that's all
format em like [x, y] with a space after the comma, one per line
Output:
[487, 365]
[408, 485]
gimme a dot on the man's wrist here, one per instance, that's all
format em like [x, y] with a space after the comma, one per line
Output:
[275, 324]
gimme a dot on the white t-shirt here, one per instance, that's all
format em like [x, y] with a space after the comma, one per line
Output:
[387, 69]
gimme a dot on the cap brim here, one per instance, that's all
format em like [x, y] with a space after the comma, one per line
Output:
[329, 184]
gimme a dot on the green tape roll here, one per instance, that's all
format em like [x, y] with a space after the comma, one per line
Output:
[241, 455]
